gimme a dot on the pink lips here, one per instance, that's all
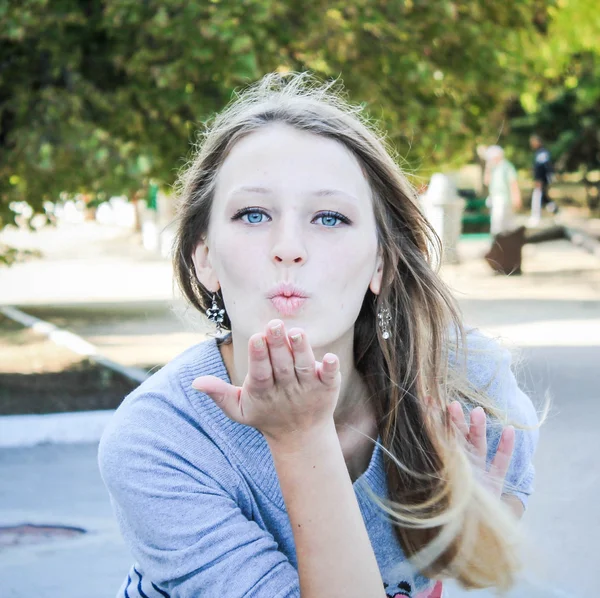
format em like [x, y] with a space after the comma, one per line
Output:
[287, 298]
[287, 306]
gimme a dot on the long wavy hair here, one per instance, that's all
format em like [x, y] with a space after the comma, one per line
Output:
[447, 523]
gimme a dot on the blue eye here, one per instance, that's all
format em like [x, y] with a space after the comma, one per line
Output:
[250, 216]
[258, 216]
[331, 219]
[253, 217]
[328, 220]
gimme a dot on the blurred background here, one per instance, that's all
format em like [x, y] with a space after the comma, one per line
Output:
[101, 102]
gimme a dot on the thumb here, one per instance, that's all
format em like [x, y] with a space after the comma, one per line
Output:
[226, 396]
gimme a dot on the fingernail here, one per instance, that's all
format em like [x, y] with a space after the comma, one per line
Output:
[330, 360]
[258, 343]
[296, 337]
[276, 330]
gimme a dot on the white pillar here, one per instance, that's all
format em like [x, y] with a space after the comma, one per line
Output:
[444, 209]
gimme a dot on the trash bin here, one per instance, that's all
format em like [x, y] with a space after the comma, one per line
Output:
[444, 208]
[505, 254]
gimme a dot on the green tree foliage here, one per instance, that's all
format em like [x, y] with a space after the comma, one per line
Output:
[100, 96]
[562, 99]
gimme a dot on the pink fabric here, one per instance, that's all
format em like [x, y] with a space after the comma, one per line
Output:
[436, 592]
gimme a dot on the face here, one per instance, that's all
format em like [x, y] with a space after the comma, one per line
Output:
[292, 235]
[496, 159]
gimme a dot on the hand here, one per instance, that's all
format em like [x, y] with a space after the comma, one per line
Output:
[475, 436]
[286, 392]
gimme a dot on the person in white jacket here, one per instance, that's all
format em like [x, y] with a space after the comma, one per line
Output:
[504, 193]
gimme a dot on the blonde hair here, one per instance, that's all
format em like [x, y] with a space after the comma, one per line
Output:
[448, 524]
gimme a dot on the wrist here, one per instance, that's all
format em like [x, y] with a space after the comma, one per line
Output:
[311, 442]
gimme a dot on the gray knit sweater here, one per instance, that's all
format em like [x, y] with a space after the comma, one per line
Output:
[198, 500]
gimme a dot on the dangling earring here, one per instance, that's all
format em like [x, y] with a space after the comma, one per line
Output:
[215, 314]
[384, 322]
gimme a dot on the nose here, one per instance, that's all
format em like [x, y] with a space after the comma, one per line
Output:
[288, 247]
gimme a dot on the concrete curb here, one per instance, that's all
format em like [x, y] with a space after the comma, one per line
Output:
[84, 426]
[583, 239]
[18, 431]
[73, 342]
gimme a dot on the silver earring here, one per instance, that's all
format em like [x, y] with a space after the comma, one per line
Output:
[215, 314]
[384, 322]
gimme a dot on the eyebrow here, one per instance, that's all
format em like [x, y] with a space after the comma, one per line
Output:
[332, 193]
[246, 189]
[316, 193]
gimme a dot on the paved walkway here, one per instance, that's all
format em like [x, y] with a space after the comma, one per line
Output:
[101, 284]
[560, 285]
[59, 485]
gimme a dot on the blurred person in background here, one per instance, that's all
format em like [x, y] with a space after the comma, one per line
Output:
[542, 178]
[503, 188]
[344, 435]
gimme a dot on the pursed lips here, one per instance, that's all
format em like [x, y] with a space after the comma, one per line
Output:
[287, 298]
[287, 306]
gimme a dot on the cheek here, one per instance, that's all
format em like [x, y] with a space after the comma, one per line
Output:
[351, 263]
[237, 260]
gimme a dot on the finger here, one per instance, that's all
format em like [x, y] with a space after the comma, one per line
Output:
[501, 462]
[477, 437]
[329, 370]
[302, 353]
[458, 417]
[260, 373]
[226, 396]
[280, 353]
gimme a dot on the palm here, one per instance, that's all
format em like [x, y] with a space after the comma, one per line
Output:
[475, 435]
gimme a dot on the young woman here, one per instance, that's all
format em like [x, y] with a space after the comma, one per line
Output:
[345, 437]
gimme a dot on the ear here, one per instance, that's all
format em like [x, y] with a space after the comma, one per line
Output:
[377, 278]
[203, 267]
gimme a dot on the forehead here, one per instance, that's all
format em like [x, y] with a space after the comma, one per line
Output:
[282, 157]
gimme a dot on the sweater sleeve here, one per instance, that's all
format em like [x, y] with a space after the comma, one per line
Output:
[490, 369]
[178, 503]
